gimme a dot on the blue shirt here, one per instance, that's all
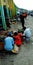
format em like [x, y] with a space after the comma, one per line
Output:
[8, 43]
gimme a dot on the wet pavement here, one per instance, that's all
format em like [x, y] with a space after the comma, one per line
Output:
[25, 56]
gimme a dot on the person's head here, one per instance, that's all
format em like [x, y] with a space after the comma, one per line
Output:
[15, 33]
[9, 35]
[24, 28]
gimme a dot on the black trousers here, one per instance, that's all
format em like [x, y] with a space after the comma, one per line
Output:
[22, 22]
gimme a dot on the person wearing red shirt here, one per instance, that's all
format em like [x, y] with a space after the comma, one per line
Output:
[17, 39]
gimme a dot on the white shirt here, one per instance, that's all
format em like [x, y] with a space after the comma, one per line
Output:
[27, 32]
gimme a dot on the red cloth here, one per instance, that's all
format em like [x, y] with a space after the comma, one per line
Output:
[18, 40]
[21, 36]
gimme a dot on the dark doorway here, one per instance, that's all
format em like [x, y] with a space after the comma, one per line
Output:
[1, 26]
[6, 16]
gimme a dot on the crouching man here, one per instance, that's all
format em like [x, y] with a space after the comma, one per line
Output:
[8, 43]
[27, 33]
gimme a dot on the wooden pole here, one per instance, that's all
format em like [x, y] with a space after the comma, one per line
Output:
[3, 17]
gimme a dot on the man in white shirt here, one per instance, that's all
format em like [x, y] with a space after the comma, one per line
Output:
[27, 33]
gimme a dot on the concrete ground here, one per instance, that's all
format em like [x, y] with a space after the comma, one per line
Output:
[25, 56]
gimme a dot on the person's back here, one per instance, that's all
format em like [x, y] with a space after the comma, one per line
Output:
[27, 33]
[8, 43]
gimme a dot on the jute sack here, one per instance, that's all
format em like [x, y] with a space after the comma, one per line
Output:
[16, 47]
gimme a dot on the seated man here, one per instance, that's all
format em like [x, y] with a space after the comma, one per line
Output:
[8, 43]
[27, 34]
